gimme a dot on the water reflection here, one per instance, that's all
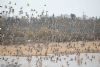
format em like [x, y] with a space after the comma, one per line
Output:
[82, 60]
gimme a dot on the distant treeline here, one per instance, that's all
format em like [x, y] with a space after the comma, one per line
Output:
[15, 30]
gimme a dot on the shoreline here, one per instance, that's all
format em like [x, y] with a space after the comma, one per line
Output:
[41, 49]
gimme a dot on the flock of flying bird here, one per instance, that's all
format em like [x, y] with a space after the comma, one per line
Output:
[67, 59]
[78, 58]
[11, 10]
[52, 58]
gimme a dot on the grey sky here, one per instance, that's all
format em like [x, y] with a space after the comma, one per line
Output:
[89, 7]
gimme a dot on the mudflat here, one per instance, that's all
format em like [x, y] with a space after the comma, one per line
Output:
[31, 49]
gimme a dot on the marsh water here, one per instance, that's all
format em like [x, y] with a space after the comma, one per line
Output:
[82, 60]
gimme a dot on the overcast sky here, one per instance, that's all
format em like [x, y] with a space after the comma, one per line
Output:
[89, 7]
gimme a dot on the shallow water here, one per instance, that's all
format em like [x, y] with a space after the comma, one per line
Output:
[82, 60]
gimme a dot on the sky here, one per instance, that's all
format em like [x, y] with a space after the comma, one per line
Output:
[58, 7]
